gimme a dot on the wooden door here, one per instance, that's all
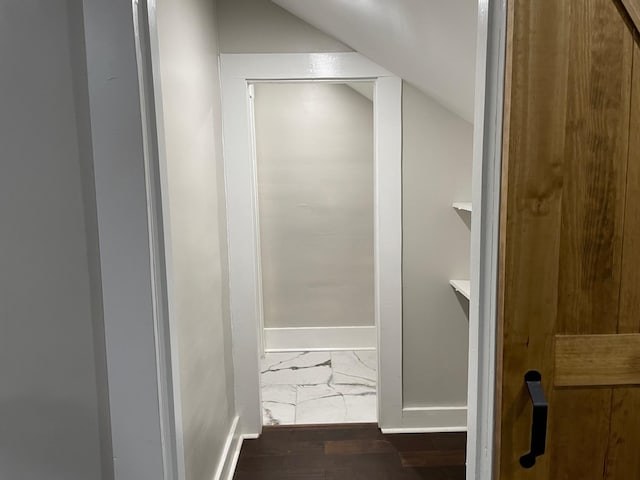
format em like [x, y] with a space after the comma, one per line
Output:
[570, 239]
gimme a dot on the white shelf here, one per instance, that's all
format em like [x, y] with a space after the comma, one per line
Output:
[466, 206]
[463, 287]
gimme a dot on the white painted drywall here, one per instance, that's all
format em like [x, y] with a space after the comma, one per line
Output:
[363, 88]
[187, 36]
[436, 172]
[436, 169]
[314, 144]
[431, 43]
[54, 420]
[260, 26]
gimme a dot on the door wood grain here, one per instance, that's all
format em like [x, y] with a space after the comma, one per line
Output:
[592, 360]
[570, 239]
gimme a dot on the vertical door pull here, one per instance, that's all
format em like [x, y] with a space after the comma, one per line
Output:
[533, 380]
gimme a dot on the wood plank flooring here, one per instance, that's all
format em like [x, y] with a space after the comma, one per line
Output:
[350, 452]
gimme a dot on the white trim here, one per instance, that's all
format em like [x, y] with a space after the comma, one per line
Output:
[301, 66]
[464, 206]
[234, 458]
[173, 367]
[388, 246]
[232, 450]
[296, 339]
[434, 419]
[423, 430]
[230, 453]
[431, 420]
[155, 222]
[486, 176]
[236, 72]
[463, 287]
[132, 281]
[454, 408]
[254, 160]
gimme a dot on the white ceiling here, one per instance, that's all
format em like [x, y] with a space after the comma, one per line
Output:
[430, 43]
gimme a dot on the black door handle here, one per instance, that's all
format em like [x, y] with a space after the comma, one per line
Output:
[533, 379]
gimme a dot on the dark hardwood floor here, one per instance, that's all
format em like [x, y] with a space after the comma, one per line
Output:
[350, 452]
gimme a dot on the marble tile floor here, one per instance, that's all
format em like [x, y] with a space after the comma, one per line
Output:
[319, 387]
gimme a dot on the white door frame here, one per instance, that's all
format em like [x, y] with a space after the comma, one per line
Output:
[130, 234]
[237, 71]
[487, 155]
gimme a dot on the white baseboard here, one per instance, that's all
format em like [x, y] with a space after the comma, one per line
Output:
[230, 453]
[319, 339]
[431, 420]
[236, 455]
[423, 430]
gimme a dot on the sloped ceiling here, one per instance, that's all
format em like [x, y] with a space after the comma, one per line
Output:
[430, 43]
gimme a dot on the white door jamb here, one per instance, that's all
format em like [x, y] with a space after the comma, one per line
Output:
[487, 153]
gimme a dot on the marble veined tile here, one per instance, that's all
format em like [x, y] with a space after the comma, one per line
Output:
[301, 368]
[313, 392]
[354, 368]
[362, 408]
[279, 393]
[335, 404]
[320, 404]
[369, 358]
[271, 359]
[278, 414]
[278, 404]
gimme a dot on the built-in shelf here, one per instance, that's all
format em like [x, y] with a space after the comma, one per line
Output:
[466, 206]
[463, 287]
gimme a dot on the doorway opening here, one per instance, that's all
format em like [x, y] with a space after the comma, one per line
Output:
[243, 228]
[378, 272]
[314, 155]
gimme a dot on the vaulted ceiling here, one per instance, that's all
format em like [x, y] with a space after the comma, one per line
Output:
[430, 43]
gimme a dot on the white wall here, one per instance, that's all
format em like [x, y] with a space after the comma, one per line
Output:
[436, 170]
[54, 420]
[260, 26]
[314, 145]
[197, 253]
